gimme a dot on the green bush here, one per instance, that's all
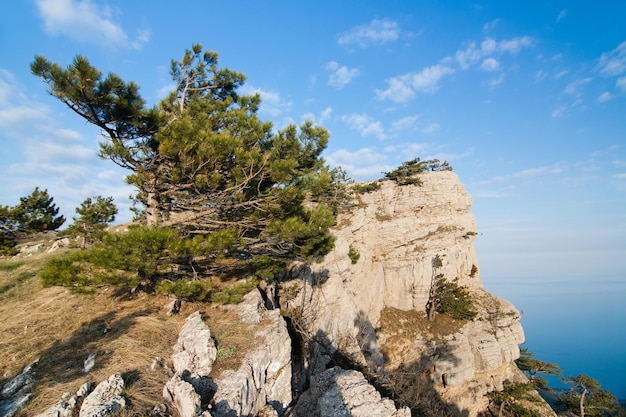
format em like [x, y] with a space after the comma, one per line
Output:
[186, 289]
[235, 293]
[366, 188]
[353, 254]
[453, 299]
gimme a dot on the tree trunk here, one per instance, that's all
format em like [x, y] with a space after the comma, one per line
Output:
[582, 402]
[152, 209]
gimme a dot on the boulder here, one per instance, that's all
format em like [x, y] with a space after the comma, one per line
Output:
[195, 350]
[344, 393]
[105, 399]
[16, 393]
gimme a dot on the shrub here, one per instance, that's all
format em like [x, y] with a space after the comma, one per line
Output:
[235, 293]
[353, 254]
[186, 289]
[366, 188]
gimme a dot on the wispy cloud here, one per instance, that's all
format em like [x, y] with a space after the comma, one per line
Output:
[377, 32]
[405, 123]
[365, 125]
[621, 84]
[533, 172]
[473, 53]
[404, 87]
[490, 25]
[272, 103]
[574, 88]
[47, 155]
[604, 97]
[431, 128]
[86, 21]
[559, 112]
[613, 63]
[340, 76]
[490, 65]
[562, 15]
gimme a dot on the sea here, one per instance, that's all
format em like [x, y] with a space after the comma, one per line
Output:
[579, 324]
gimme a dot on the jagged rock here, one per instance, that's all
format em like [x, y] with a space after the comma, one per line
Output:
[263, 378]
[67, 407]
[194, 351]
[250, 309]
[398, 231]
[16, 393]
[184, 396]
[344, 393]
[105, 399]
[30, 249]
[173, 307]
[89, 363]
[61, 243]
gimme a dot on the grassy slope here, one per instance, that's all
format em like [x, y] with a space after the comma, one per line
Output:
[61, 329]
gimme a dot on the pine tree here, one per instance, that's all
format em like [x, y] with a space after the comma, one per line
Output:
[36, 213]
[94, 215]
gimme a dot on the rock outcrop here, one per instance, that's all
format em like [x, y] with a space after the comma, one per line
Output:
[15, 393]
[406, 236]
[263, 380]
[106, 399]
[340, 392]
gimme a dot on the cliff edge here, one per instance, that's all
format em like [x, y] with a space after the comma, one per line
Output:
[367, 300]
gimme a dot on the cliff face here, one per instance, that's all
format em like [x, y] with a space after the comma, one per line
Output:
[373, 311]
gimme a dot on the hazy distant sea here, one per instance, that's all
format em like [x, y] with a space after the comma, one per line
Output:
[580, 324]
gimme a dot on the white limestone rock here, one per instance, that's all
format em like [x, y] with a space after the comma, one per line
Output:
[184, 396]
[105, 399]
[343, 393]
[263, 378]
[195, 350]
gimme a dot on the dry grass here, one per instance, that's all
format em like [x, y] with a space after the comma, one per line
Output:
[61, 330]
[400, 329]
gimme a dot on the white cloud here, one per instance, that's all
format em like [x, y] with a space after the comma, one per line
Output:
[398, 90]
[561, 74]
[621, 176]
[515, 45]
[365, 125]
[377, 32]
[532, 172]
[405, 123]
[540, 75]
[574, 87]
[621, 84]
[562, 15]
[604, 97]
[340, 75]
[490, 25]
[494, 82]
[403, 88]
[271, 102]
[363, 156]
[469, 56]
[490, 65]
[614, 62]
[488, 46]
[325, 114]
[559, 111]
[431, 128]
[86, 21]
[473, 54]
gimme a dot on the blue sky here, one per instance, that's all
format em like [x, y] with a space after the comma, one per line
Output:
[526, 101]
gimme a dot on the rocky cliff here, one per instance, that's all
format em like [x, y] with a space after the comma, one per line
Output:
[348, 336]
[372, 311]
